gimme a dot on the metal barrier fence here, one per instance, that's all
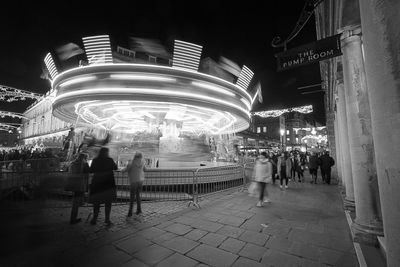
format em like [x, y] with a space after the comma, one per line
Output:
[49, 187]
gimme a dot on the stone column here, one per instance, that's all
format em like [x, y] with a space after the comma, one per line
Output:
[381, 30]
[337, 150]
[368, 224]
[330, 129]
[344, 148]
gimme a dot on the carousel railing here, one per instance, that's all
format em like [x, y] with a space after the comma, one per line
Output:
[36, 184]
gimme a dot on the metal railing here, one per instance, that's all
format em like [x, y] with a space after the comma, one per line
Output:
[190, 184]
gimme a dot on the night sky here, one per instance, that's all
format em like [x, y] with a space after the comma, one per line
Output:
[240, 31]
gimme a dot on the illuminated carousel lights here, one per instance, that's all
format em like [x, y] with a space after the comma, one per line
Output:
[152, 91]
[125, 114]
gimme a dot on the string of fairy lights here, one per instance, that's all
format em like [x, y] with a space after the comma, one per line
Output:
[279, 112]
[10, 94]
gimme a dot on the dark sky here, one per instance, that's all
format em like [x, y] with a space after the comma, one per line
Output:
[240, 31]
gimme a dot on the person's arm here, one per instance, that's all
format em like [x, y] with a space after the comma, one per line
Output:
[92, 166]
[115, 167]
[85, 168]
[144, 166]
[126, 168]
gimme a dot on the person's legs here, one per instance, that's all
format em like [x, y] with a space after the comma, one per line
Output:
[286, 180]
[138, 189]
[96, 210]
[328, 176]
[131, 199]
[323, 174]
[281, 177]
[261, 187]
[107, 208]
[76, 202]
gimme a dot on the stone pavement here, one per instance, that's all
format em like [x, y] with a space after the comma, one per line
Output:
[304, 225]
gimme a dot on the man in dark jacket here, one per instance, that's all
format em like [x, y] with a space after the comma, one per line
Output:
[313, 163]
[326, 162]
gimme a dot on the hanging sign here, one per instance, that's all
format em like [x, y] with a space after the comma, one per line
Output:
[309, 53]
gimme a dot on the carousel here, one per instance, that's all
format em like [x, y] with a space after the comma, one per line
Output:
[175, 115]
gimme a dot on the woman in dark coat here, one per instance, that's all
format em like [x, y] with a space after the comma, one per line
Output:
[102, 188]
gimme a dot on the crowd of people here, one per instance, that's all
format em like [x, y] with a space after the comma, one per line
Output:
[289, 166]
[25, 153]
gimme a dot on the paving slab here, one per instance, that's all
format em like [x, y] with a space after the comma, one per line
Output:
[253, 252]
[151, 232]
[280, 259]
[178, 229]
[212, 256]
[254, 237]
[232, 245]
[180, 244]
[134, 263]
[164, 237]
[232, 220]
[277, 243]
[177, 260]
[133, 244]
[304, 250]
[207, 225]
[212, 239]
[153, 254]
[245, 262]
[105, 256]
[231, 231]
[196, 234]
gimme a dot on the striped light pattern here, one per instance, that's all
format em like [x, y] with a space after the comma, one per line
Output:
[98, 49]
[245, 77]
[186, 55]
[51, 67]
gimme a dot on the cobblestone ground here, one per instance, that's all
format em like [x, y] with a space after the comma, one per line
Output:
[31, 228]
[304, 225]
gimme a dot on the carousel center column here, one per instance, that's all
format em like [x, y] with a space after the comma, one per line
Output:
[368, 223]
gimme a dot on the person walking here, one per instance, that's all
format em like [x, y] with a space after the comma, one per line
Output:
[274, 161]
[284, 167]
[102, 187]
[136, 169]
[263, 175]
[299, 166]
[292, 167]
[326, 164]
[77, 183]
[313, 163]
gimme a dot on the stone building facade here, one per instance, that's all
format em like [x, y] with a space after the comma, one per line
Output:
[363, 114]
